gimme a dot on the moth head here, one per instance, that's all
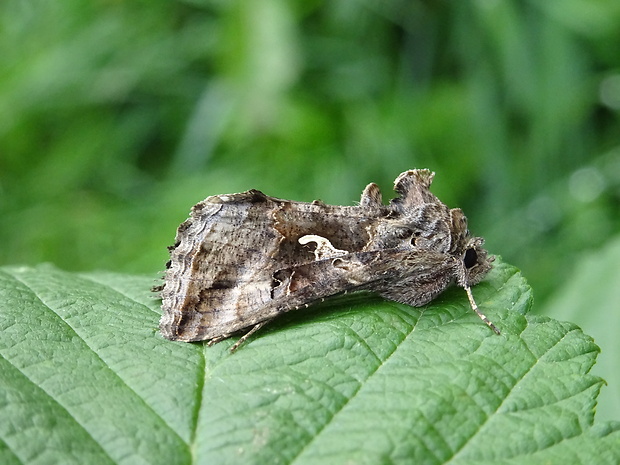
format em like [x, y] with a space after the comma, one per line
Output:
[475, 262]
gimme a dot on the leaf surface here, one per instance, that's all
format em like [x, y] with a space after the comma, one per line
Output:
[85, 377]
[590, 297]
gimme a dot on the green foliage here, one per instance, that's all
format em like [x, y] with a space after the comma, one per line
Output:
[85, 378]
[590, 298]
[116, 117]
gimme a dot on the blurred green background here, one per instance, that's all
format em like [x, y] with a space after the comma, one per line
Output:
[117, 116]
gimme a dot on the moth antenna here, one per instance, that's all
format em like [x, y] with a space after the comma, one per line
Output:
[475, 308]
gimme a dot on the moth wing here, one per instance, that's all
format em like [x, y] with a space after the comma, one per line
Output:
[223, 268]
[410, 277]
[344, 227]
[220, 266]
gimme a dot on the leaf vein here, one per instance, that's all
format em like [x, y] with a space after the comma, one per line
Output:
[99, 357]
[512, 390]
[62, 407]
[354, 394]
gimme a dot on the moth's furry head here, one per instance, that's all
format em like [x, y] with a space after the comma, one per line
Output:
[476, 261]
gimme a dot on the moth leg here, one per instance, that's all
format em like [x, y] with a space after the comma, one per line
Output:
[243, 338]
[475, 308]
[217, 339]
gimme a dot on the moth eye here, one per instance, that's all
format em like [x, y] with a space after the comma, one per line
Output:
[470, 258]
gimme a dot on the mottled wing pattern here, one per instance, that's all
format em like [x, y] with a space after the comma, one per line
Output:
[225, 263]
[212, 280]
[242, 259]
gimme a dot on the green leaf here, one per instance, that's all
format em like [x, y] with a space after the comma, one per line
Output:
[590, 298]
[85, 378]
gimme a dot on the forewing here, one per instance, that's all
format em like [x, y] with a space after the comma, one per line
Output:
[220, 265]
[412, 277]
[223, 267]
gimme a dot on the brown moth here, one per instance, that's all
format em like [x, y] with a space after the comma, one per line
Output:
[241, 260]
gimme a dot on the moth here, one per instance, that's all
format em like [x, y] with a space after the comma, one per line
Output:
[241, 260]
